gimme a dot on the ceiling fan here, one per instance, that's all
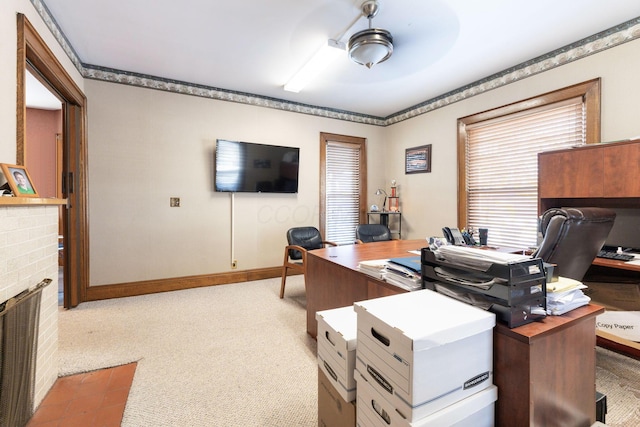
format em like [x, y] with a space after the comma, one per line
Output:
[373, 45]
[367, 47]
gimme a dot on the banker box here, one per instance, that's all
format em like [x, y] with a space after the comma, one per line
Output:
[337, 333]
[424, 351]
[333, 410]
[477, 410]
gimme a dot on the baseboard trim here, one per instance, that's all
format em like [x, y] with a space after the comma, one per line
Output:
[145, 287]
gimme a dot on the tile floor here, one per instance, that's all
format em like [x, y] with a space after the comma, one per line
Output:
[94, 399]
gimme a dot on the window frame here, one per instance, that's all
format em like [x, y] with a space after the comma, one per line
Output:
[589, 91]
[325, 138]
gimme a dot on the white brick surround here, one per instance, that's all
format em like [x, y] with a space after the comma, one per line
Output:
[28, 254]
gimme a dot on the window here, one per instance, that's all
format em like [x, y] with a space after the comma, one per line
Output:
[498, 173]
[343, 187]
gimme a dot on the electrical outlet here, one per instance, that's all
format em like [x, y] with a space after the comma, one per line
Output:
[174, 202]
[234, 264]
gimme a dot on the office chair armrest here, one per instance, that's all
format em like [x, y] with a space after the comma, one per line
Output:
[326, 242]
[300, 249]
[359, 242]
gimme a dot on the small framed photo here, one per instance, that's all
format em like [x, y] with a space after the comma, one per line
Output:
[417, 159]
[19, 180]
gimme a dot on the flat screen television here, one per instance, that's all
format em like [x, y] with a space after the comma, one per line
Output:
[245, 167]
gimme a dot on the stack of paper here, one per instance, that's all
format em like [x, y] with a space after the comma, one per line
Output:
[565, 295]
[475, 258]
[403, 277]
[374, 268]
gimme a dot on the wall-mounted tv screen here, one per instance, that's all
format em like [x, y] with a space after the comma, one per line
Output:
[255, 168]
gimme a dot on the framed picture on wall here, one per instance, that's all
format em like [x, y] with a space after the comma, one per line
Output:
[417, 159]
[19, 180]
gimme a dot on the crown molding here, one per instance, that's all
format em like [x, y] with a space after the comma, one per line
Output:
[604, 40]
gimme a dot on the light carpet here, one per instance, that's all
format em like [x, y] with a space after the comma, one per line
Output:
[219, 356]
[238, 355]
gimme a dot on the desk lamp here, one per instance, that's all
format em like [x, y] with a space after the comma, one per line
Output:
[380, 192]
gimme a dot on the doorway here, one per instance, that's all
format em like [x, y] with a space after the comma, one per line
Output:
[35, 56]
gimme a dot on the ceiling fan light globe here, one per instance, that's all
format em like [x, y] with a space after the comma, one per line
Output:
[371, 46]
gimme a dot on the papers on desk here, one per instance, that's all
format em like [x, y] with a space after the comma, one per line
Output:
[565, 295]
[393, 273]
[475, 258]
[374, 268]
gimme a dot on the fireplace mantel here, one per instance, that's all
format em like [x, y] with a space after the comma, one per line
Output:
[28, 201]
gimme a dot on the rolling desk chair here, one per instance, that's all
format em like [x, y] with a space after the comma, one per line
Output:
[573, 237]
[301, 240]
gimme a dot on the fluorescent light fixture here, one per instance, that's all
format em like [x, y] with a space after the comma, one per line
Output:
[321, 60]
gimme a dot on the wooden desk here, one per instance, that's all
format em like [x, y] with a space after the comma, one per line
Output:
[333, 279]
[545, 371]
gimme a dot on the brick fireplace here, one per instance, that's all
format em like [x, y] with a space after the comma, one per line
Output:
[28, 254]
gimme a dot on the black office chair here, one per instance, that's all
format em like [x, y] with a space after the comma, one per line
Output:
[366, 233]
[301, 240]
[573, 237]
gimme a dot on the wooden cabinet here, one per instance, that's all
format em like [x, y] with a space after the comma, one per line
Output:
[601, 175]
[606, 175]
[570, 173]
[621, 170]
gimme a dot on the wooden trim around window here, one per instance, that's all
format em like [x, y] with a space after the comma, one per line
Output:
[589, 90]
[324, 139]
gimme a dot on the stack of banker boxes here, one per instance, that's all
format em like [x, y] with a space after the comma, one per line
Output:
[423, 359]
[337, 331]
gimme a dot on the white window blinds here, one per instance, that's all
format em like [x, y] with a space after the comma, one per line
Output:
[502, 168]
[342, 193]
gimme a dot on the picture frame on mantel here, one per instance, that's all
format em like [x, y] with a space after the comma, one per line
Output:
[19, 180]
[417, 159]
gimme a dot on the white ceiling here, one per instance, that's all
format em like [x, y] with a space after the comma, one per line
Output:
[255, 46]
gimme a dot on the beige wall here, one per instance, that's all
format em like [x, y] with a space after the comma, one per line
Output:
[429, 201]
[146, 146]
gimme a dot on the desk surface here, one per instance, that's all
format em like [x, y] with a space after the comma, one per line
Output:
[348, 257]
[612, 263]
[545, 371]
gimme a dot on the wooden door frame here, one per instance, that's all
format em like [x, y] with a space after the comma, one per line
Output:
[34, 54]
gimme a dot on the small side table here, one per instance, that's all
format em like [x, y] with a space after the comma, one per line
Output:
[384, 219]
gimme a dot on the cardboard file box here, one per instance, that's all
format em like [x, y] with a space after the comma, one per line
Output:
[333, 411]
[477, 410]
[337, 333]
[424, 351]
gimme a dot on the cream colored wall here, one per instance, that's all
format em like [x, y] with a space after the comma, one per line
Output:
[429, 200]
[146, 146]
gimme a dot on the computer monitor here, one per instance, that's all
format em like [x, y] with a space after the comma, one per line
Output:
[626, 230]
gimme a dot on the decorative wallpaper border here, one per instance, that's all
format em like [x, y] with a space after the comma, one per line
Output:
[615, 36]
